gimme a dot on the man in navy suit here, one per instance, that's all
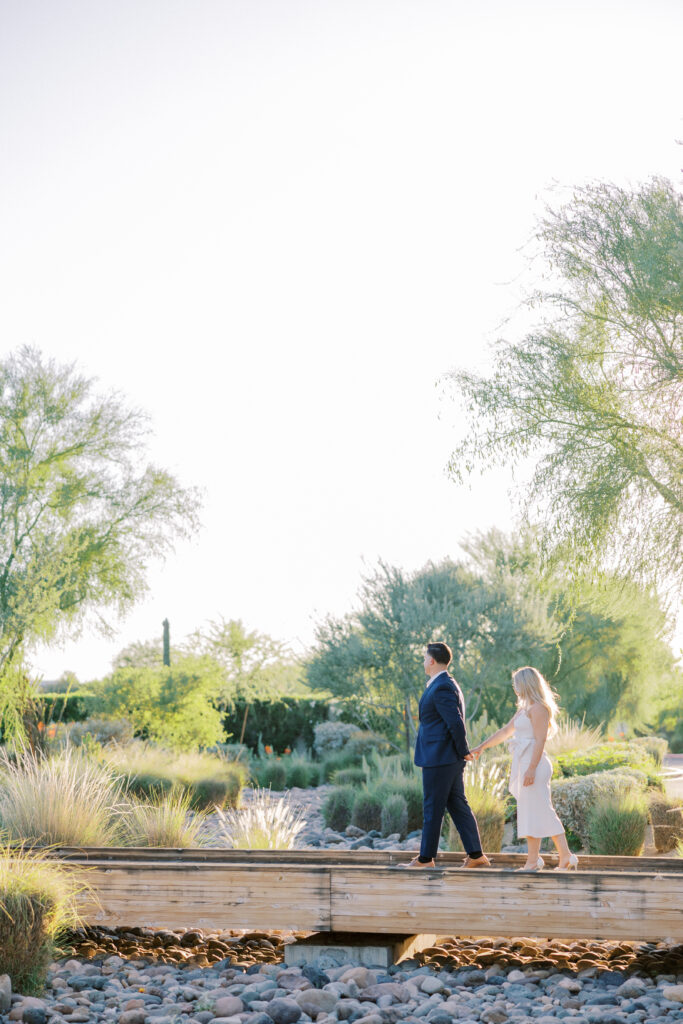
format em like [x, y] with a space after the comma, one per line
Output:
[441, 751]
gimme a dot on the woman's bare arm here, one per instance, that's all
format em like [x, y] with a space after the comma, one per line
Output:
[540, 719]
[503, 733]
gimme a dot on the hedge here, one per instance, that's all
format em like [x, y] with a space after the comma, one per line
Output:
[277, 723]
[69, 707]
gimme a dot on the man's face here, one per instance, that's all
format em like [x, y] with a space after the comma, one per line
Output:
[428, 663]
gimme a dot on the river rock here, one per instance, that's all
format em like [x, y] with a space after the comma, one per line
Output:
[228, 1006]
[431, 984]
[673, 992]
[5, 993]
[136, 1015]
[283, 1011]
[362, 976]
[315, 1000]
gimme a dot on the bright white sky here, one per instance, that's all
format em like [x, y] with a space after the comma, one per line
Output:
[274, 224]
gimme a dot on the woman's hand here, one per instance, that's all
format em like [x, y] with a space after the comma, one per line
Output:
[476, 752]
[529, 777]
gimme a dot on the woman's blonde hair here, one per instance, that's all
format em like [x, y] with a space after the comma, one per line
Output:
[532, 688]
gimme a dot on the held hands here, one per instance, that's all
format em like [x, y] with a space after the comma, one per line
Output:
[529, 777]
[475, 754]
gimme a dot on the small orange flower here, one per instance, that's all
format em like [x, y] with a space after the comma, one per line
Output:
[288, 750]
[41, 726]
[268, 749]
[610, 739]
[52, 731]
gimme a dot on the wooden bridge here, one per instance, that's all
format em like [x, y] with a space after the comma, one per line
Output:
[365, 892]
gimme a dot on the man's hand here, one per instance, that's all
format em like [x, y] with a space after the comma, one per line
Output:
[529, 777]
[469, 757]
[476, 753]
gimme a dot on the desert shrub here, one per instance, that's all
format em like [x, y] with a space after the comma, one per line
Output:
[301, 772]
[163, 821]
[232, 752]
[146, 784]
[367, 810]
[350, 777]
[666, 816]
[269, 773]
[100, 730]
[411, 791]
[37, 899]
[336, 762]
[64, 800]
[266, 823]
[486, 791]
[338, 807]
[572, 736]
[75, 706]
[574, 797]
[222, 790]
[617, 824]
[362, 742]
[331, 736]
[606, 757]
[149, 770]
[171, 705]
[394, 817]
[656, 746]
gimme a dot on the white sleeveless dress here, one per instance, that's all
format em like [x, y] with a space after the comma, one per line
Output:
[536, 816]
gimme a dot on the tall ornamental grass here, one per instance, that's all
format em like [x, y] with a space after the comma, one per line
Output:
[617, 824]
[573, 735]
[38, 898]
[209, 778]
[165, 821]
[486, 791]
[267, 823]
[65, 800]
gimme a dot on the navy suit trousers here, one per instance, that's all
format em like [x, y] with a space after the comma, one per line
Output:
[443, 790]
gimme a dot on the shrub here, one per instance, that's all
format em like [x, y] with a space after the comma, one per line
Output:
[37, 899]
[222, 790]
[605, 757]
[666, 816]
[301, 772]
[350, 777]
[267, 823]
[338, 807]
[331, 736]
[65, 800]
[75, 706]
[145, 784]
[394, 817]
[100, 730]
[574, 797]
[367, 810]
[336, 762]
[656, 746]
[572, 736]
[361, 743]
[164, 821]
[150, 770]
[617, 824]
[411, 791]
[270, 773]
[282, 722]
[486, 791]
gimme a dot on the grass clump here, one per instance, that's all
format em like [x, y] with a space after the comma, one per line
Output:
[573, 735]
[394, 817]
[163, 821]
[367, 810]
[64, 800]
[209, 778]
[270, 774]
[608, 756]
[573, 798]
[486, 791]
[617, 824]
[349, 777]
[267, 823]
[37, 900]
[666, 817]
[656, 747]
[338, 808]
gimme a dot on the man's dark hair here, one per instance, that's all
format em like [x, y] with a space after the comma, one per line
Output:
[441, 653]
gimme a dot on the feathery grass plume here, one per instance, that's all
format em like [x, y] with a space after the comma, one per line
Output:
[486, 791]
[64, 800]
[266, 823]
[573, 735]
[164, 820]
[617, 824]
[38, 898]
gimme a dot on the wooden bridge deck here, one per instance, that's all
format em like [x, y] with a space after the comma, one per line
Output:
[365, 892]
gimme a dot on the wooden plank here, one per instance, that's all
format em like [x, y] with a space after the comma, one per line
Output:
[207, 896]
[586, 904]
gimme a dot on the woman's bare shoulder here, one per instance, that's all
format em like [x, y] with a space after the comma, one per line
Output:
[538, 711]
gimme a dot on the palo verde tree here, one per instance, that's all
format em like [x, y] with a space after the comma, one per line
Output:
[81, 513]
[594, 395]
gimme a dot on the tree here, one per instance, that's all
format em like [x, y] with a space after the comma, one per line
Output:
[81, 514]
[372, 658]
[595, 393]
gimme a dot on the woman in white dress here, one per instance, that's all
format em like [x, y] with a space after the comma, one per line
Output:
[532, 769]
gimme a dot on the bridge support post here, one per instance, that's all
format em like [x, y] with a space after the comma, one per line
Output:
[370, 950]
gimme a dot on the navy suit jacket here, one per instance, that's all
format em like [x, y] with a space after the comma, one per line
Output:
[441, 738]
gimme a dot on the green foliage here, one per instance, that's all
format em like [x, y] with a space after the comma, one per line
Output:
[367, 810]
[221, 790]
[81, 516]
[350, 777]
[364, 742]
[332, 736]
[282, 722]
[301, 772]
[486, 792]
[594, 393]
[656, 746]
[617, 824]
[666, 817]
[99, 731]
[573, 798]
[150, 770]
[394, 817]
[163, 821]
[270, 773]
[75, 706]
[266, 823]
[337, 762]
[606, 756]
[338, 807]
[572, 736]
[173, 706]
[38, 898]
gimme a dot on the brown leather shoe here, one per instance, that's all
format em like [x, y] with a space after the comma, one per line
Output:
[480, 862]
[417, 863]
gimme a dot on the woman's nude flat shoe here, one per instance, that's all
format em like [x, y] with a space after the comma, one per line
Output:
[540, 864]
[572, 865]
